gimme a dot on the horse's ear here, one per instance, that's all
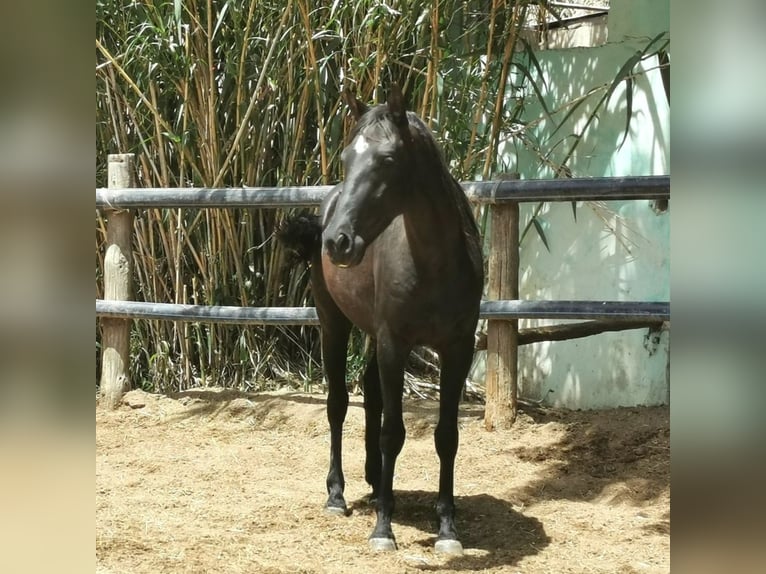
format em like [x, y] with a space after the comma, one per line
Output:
[396, 105]
[357, 107]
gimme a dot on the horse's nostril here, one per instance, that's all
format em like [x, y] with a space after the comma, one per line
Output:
[343, 243]
[341, 246]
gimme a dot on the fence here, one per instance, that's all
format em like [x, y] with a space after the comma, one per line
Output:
[502, 309]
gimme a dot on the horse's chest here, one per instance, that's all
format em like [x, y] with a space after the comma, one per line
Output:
[421, 303]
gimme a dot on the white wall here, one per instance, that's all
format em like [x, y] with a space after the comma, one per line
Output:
[614, 251]
[588, 261]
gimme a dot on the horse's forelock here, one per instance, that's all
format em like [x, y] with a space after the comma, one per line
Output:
[377, 124]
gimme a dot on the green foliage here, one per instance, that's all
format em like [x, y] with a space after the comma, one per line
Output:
[229, 93]
[224, 93]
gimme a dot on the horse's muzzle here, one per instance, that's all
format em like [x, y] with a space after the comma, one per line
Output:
[344, 248]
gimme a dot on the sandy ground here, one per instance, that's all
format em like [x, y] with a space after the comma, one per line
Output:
[222, 481]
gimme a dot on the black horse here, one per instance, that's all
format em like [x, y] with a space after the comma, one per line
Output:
[398, 254]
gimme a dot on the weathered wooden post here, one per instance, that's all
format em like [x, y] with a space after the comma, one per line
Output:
[118, 271]
[502, 336]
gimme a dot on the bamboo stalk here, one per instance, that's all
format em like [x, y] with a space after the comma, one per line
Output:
[251, 106]
[312, 70]
[160, 147]
[435, 58]
[497, 120]
[211, 92]
[479, 109]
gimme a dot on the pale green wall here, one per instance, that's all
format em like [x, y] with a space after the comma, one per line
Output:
[586, 259]
[635, 21]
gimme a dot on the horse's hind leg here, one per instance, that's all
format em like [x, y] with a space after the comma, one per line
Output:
[455, 364]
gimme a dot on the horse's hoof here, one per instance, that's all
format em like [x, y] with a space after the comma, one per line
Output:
[382, 544]
[336, 510]
[452, 547]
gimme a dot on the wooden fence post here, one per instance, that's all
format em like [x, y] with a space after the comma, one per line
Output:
[118, 271]
[502, 336]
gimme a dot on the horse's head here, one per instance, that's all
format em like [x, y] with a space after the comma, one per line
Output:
[378, 165]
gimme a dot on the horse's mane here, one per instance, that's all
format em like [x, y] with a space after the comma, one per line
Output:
[430, 153]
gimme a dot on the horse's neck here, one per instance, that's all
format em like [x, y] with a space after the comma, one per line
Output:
[434, 225]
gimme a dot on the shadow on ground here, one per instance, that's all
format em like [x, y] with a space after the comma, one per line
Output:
[625, 449]
[491, 531]
[205, 402]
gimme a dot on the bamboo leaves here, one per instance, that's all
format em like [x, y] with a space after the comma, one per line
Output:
[231, 93]
[540, 228]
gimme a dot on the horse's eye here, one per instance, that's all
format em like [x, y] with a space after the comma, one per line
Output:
[388, 159]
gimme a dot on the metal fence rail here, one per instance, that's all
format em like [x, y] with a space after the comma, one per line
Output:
[488, 192]
[501, 311]
[493, 310]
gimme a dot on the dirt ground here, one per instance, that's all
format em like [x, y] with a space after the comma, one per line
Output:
[222, 481]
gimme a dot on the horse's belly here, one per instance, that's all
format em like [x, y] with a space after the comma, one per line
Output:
[436, 321]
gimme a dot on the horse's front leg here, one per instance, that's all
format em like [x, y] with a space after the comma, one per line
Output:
[391, 355]
[373, 408]
[455, 364]
[334, 347]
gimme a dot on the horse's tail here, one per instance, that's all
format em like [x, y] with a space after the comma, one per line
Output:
[301, 234]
